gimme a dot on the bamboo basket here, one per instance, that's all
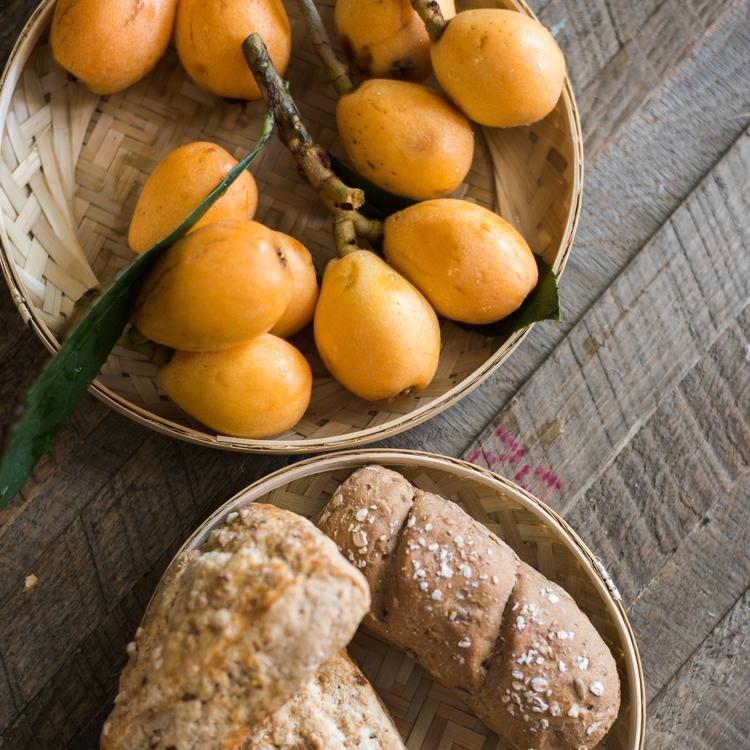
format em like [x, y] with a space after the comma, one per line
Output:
[429, 716]
[72, 166]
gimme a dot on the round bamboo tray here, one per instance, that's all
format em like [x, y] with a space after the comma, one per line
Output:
[72, 166]
[429, 716]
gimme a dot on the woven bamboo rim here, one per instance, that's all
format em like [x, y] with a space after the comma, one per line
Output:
[428, 716]
[71, 167]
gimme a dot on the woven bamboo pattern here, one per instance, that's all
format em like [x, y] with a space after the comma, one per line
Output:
[72, 166]
[429, 716]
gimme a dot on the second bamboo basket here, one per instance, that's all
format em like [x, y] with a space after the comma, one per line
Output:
[429, 716]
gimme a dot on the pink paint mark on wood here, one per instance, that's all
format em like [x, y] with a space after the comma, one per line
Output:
[512, 452]
[474, 455]
[548, 478]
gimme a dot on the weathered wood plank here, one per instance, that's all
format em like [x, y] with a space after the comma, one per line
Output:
[701, 580]
[85, 682]
[538, 5]
[705, 705]
[14, 14]
[630, 18]
[639, 181]
[669, 514]
[88, 737]
[636, 342]
[82, 459]
[137, 514]
[585, 32]
[652, 55]
[37, 626]
[8, 706]
[213, 475]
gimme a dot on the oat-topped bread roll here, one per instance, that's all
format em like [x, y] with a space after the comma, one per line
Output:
[514, 645]
[336, 710]
[237, 628]
[364, 518]
[452, 580]
[551, 673]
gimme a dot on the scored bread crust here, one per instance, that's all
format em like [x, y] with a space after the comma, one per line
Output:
[453, 580]
[491, 614]
[364, 518]
[235, 630]
[553, 676]
[336, 710]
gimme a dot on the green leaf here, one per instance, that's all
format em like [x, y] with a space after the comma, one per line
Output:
[380, 203]
[65, 377]
[542, 304]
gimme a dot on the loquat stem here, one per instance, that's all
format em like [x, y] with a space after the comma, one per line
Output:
[312, 160]
[430, 13]
[337, 71]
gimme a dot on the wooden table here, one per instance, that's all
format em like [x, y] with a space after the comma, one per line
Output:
[631, 417]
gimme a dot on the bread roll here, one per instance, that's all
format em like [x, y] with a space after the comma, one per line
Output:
[446, 598]
[514, 645]
[366, 519]
[552, 673]
[237, 628]
[336, 710]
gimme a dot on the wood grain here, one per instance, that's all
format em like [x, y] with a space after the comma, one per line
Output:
[585, 31]
[712, 686]
[669, 512]
[637, 341]
[631, 415]
[652, 55]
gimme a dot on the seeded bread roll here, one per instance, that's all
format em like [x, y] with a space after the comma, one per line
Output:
[552, 673]
[451, 584]
[514, 645]
[364, 518]
[336, 710]
[237, 628]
